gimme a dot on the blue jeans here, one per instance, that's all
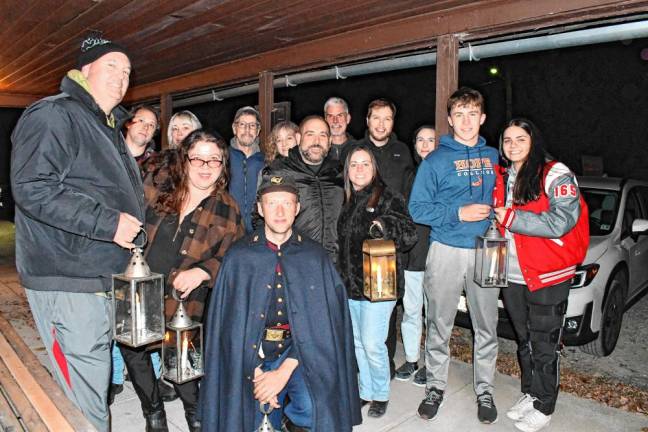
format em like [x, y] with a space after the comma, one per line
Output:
[300, 408]
[370, 326]
[412, 325]
[118, 365]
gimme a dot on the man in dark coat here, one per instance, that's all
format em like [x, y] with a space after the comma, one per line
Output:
[79, 206]
[319, 180]
[280, 327]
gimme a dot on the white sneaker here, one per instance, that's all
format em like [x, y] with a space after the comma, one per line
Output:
[521, 407]
[533, 421]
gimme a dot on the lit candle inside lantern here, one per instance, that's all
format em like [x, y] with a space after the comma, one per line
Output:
[379, 281]
[183, 357]
[493, 266]
[140, 313]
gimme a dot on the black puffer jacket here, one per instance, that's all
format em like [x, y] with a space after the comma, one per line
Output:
[353, 229]
[72, 176]
[320, 195]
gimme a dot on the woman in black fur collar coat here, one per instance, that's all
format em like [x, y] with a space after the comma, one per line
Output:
[371, 210]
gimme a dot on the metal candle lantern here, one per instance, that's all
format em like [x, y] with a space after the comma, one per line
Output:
[491, 259]
[138, 304]
[265, 425]
[379, 268]
[182, 347]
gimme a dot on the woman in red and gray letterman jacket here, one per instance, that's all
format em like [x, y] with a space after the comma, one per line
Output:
[541, 211]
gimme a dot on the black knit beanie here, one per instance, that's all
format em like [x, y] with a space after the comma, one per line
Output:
[95, 46]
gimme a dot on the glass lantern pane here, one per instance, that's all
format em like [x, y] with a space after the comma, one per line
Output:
[149, 310]
[366, 268]
[122, 323]
[183, 354]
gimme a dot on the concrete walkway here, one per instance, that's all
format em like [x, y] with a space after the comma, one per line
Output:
[459, 412]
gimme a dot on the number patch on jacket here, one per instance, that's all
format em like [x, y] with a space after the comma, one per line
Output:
[564, 191]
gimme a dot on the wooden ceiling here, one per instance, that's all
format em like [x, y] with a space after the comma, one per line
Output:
[180, 45]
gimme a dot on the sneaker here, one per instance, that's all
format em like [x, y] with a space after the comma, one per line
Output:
[429, 407]
[405, 372]
[486, 410]
[521, 408]
[420, 379]
[533, 421]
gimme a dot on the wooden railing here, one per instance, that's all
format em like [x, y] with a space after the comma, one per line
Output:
[30, 400]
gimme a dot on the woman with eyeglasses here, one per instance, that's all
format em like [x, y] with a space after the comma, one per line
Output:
[191, 221]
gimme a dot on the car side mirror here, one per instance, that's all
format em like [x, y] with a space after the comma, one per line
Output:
[639, 226]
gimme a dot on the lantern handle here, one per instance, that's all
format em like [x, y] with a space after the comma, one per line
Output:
[376, 224]
[264, 410]
[145, 237]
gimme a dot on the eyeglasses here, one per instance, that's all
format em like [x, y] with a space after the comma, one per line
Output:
[421, 140]
[212, 163]
[250, 126]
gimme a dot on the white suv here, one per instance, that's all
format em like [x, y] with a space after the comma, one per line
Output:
[615, 270]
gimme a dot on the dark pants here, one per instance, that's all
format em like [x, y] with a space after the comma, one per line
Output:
[537, 317]
[300, 408]
[140, 369]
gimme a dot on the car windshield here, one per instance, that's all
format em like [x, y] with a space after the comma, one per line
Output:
[603, 206]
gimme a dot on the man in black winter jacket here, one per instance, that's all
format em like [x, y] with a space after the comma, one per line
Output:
[393, 156]
[79, 206]
[319, 180]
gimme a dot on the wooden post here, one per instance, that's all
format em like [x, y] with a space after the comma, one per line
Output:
[266, 102]
[447, 78]
[166, 109]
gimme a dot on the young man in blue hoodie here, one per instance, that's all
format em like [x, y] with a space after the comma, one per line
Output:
[453, 193]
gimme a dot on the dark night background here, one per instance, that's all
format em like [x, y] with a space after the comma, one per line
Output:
[589, 100]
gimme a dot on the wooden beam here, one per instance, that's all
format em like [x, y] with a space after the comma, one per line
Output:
[473, 22]
[447, 79]
[166, 110]
[36, 386]
[17, 100]
[266, 103]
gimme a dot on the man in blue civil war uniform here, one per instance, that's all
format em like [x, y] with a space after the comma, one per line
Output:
[278, 325]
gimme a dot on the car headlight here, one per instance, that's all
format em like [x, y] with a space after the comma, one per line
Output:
[584, 275]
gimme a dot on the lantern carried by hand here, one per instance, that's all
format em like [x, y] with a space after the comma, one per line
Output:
[491, 259]
[182, 347]
[379, 269]
[138, 303]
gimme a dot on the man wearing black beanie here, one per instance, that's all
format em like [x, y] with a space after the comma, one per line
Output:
[79, 207]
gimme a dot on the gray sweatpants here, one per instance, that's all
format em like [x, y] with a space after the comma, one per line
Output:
[448, 272]
[76, 330]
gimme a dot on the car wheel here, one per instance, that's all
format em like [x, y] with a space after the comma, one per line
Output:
[611, 319]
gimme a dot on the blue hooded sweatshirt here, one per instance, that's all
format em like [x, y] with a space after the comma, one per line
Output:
[453, 176]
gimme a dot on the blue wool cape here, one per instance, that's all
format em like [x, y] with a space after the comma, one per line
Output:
[321, 329]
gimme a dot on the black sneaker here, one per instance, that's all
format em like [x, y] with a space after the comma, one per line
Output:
[486, 410]
[377, 409]
[420, 378]
[405, 372]
[429, 407]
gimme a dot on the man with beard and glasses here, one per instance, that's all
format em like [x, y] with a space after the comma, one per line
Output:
[319, 180]
[246, 161]
[336, 112]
